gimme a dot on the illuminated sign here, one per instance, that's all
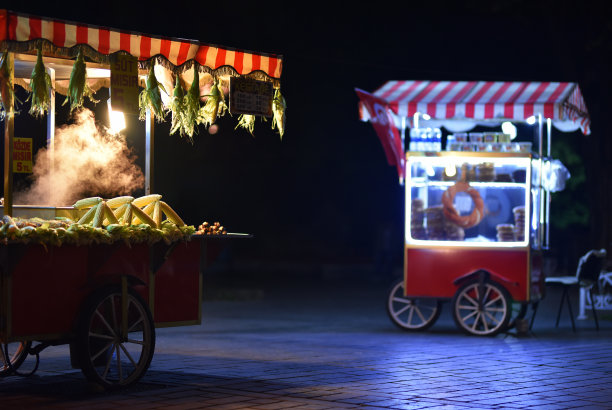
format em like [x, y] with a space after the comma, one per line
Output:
[251, 97]
[22, 155]
[124, 84]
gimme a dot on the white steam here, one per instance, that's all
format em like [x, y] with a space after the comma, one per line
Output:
[87, 161]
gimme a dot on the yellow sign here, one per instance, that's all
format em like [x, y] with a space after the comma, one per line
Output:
[248, 96]
[124, 84]
[22, 155]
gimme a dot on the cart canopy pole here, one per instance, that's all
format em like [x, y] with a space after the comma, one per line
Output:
[9, 134]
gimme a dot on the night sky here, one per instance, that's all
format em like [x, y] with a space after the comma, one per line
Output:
[325, 193]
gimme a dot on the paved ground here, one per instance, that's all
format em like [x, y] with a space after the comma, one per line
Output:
[328, 344]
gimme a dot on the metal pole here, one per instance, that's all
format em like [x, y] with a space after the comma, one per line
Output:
[51, 126]
[540, 189]
[9, 134]
[548, 198]
[149, 149]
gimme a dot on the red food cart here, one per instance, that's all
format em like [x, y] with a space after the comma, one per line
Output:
[104, 299]
[477, 213]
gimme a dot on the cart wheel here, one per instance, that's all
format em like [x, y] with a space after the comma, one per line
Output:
[12, 356]
[482, 309]
[411, 313]
[105, 355]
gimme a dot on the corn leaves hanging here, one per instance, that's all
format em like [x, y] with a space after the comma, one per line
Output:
[41, 88]
[6, 88]
[279, 107]
[77, 87]
[246, 121]
[177, 107]
[193, 112]
[150, 97]
[215, 105]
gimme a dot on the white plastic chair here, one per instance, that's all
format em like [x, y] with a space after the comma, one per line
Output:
[589, 267]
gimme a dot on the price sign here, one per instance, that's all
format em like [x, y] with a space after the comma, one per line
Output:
[124, 84]
[22, 155]
[249, 96]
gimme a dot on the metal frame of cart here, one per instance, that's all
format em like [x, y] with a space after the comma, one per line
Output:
[489, 284]
[102, 298]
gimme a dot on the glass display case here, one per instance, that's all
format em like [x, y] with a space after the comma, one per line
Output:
[468, 199]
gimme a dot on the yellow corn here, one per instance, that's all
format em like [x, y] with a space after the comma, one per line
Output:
[127, 216]
[97, 220]
[120, 210]
[139, 213]
[157, 214]
[146, 200]
[85, 219]
[118, 201]
[170, 214]
[108, 213]
[149, 208]
[87, 202]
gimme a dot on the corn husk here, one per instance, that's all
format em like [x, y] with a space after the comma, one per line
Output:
[215, 105]
[6, 88]
[279, 106]
[41, 87]
[193, 112]
[247, 122]
[150, 98]
[177, 107]
[77, 87]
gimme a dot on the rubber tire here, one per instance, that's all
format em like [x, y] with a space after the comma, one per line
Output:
[397, 290]
[460, 296]
[17, 359]
[85, 347]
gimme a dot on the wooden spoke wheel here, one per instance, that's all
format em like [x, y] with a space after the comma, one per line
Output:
[115, 346]
[482, 308]
[12, 356]
[411, 313]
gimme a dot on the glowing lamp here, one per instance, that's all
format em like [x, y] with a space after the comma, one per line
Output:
[509, 128]
[116, 119]
[531, 120]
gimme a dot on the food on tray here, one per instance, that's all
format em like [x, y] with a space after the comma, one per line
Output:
[519, 222]
[207, 229]
[119, 218]
[505, 232]
[485, 172]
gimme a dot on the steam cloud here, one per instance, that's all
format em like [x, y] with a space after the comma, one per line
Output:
[87, 161]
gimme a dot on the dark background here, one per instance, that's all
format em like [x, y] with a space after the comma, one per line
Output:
[325, 195]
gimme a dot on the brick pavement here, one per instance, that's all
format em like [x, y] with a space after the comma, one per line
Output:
[309, 345]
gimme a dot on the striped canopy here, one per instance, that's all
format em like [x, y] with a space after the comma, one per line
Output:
[562, 102]
[23, 33]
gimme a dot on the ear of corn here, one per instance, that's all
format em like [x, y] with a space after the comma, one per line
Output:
[127, 216]
[87, 202]
[171, 214]
[146, 200]
[98, 216]
[108, 214]
[215, 105]
[85, 219]
[6, 88]
[279, 106]
[41, 87]
[149, 208]
[119, 201]
[177, 107]
[150, 97]
[77, 87]
[247, 122]
[139, 213]
[157, 214]
[120, 211]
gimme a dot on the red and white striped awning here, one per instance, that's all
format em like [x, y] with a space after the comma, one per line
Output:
[24, 33]
[562, 102]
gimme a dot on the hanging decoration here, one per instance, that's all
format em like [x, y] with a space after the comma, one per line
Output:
[77, 87]
[41, 88]
[279, 106]
[215, 105]
[247, 122]
[6, 88]
[177, 107]
[150, 97]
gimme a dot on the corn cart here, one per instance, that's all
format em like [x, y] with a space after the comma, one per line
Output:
[104, 294]
[476, 213]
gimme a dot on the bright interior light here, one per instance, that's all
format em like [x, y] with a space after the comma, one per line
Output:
[430, 171]
[509, 128]
[116, 118]
[426, 117]
[450, 170]
[531, 120]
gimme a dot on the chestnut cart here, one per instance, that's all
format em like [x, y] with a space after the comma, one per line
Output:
[477, 203]
[104, 300]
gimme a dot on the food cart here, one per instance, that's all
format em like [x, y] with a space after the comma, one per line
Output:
[103, 285]
[477, 211]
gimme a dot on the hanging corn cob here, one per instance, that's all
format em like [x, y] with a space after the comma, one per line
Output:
[279, 107]
[215, 105]
[177, 107]
[41, 87]
[247, 122]
[193, 112]
[6, 87]
[150, 97]
[77, 87]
